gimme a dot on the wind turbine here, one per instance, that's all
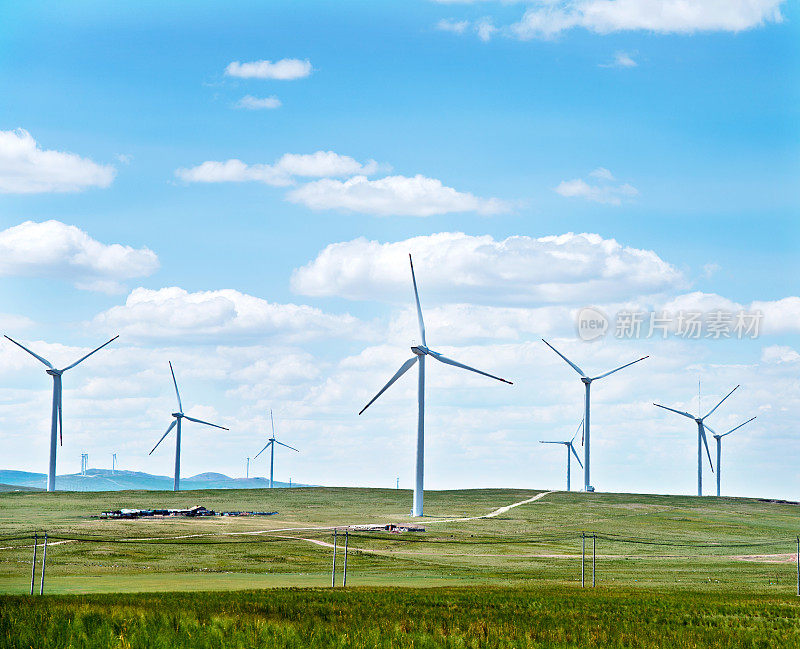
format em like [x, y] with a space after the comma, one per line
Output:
[178, 417]
[701, 437]
[587, 383]
[271, 445]
[420, 352]
[719, 448]
[56, 425]
[570, 452]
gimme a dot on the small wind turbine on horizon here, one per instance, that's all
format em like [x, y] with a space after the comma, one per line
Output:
[718, 438]
[56, 422]
[420, 352]
[587, 382]
[178, 417]
[271, 445]
[570, 451]
[701, 437]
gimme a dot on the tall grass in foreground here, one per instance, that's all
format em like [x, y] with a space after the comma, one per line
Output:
[367, 617]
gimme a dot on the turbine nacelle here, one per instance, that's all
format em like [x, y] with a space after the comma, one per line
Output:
[178, 415]
[54, 372]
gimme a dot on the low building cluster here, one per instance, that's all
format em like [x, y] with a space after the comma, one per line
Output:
[192, 512]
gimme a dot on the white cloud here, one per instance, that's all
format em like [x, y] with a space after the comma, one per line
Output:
[279, 174]
[392, 195]
[608, 191]
[777, 354]
[27, 169]
[283, 70]
[485, 29]
[183, 317]
[55, 250]
[460, 268]
[663, 16]
[249, 102]
[624, 60]
[457, 27]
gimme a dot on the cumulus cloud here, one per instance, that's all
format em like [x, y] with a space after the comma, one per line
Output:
[455, 26]
[283, 70]
[548, 19]
[55, 250]
[392, 195]
[607, 191]
[248, 102]
[519, 270]
[27, 169]
[622, 60]
[279, 174]
[180, 316]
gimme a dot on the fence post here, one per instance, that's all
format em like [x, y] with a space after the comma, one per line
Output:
[44, 562]
[583, 558]
[33, 568]
[333, 572]
[346, 539]
[798, 566]
[594, 539]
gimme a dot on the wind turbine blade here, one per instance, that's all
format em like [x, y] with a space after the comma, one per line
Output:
[450, 361]
[200, 421]
[705, 441]
[416, 297]
[571, 364]
[572, 448]
[737, 428]
[720, 403]
[36, 356]
[171, 426]
[263, 449]
[178, 394]
[680, 412]
[403, 369]
[602, 376]
[549, 442]
[286, 445]
[580, 426]
[80, 360]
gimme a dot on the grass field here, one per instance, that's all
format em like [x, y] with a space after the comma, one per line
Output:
[368, 617]
[672, 571]
[536, 543]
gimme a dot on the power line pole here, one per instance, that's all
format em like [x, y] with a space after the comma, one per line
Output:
[33, 570]
[594, 539]
[583, 558]
[346, 538]
[333, 572]
[798, 566]
[44, 562]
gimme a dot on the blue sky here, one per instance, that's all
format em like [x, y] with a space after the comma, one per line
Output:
[672, 135]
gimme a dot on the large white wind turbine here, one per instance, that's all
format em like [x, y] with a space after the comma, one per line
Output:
[271, 445]
[587, 383]
[570, 452]
[178, 417]
[719, 448]
[420, 352]
[56, 421]
[701, 437]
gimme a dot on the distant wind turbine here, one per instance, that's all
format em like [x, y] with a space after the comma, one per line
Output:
[719, 448]
[701, 437]
[178, 417]
[587, 383]
[56, 425]
[570, 452]
[420, 352]
[271, 446]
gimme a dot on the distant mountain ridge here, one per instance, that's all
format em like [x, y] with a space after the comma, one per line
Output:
[119, 480]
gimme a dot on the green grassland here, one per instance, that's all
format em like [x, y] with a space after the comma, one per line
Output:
[701, 541]
[491, 617]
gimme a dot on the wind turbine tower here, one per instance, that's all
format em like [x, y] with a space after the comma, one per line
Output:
[718, 439]
[701, 436]
[113, 463]
[56, 420]
[271, 445]
[420, 352]
[570, 452]
[178, 417]
[587, 384]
